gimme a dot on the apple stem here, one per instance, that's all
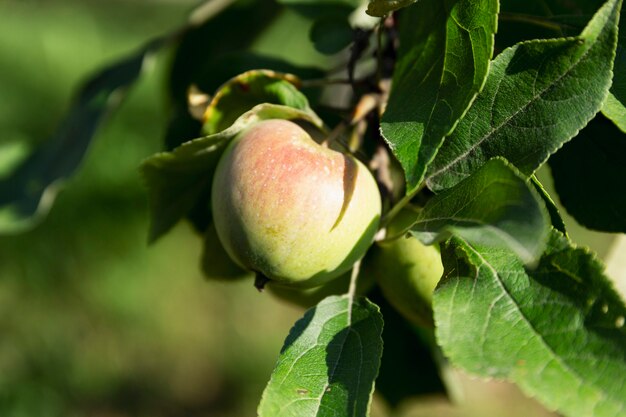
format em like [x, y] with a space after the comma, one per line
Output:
[353, 278]
[399, 206]
[379, 50]
[321, 82]
[260, 280]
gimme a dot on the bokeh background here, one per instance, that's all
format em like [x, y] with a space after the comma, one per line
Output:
[93, 321]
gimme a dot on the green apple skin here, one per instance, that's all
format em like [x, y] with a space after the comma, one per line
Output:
[290, 209]
[407, 273]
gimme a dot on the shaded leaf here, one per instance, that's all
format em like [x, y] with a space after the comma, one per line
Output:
[533, 101]
[198, 61]
[331, 34]
[408, 367]
[615, 105]
[215, 263]
[328, 363]
[557, 331]
[445, 49]
[27, 194]
[523, 20]
[589, 175]
[183, 126]
[208, 65]
[495, 206]
[555, 215]
[245, 91]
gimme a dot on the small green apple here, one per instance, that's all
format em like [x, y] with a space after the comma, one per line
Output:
[408, 272]
[291, 209]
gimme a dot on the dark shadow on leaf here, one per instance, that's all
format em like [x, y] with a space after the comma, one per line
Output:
[527, 55]
[298, 328]
[575, 277]
[351, 367]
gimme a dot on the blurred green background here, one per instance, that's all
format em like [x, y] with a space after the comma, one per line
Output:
[93, 322]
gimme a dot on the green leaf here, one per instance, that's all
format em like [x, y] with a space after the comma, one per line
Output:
[495, 206]
[549, 18]
[445, 49]
[534, 100]
[557, 331]
[522, 20]
[245, 91]
[28, 192]
[208, 65]
[555, 215]
[589, 175]
[614, 108]
[331, 34]
[176, 180]
[381, 8]
[615, 105]
[328, 363]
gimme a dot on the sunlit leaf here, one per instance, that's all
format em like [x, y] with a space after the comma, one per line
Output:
[328, 363]
[495, 206]
[553, 210]
[445, 49]
[557, 331]
[538, 95]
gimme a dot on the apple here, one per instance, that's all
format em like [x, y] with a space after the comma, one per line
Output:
[407, 272]
[290, 209]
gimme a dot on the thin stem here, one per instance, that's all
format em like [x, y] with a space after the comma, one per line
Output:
[399, 206]
[379, 50]
[207, 10]
[353, 279]
[322, 82]
[530, 19]
[335, 133]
